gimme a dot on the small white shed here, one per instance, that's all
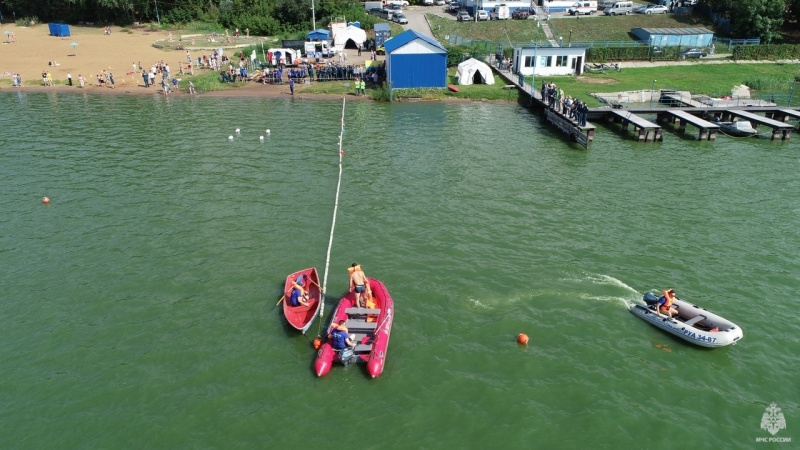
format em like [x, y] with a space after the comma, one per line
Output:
[473, 71]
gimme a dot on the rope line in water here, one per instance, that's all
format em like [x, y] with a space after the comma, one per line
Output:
[333, 224]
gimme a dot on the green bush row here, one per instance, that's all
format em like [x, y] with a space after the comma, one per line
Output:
[768, 52]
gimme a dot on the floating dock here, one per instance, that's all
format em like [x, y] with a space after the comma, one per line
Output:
[687, 112]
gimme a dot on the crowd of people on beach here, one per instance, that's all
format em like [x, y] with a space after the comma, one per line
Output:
[571, 108]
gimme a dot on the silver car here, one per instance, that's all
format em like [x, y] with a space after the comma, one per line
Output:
[400, 18]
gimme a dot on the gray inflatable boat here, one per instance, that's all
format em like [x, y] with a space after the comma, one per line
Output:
[693, 323]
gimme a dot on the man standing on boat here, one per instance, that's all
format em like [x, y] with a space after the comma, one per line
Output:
[358, 283]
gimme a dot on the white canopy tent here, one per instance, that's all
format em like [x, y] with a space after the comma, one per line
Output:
[473, 71]
[351, 33]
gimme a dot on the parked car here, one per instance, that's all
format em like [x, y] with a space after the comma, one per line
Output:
[463, 16]
[375, 11]
[440, 2]
[400, 3]
[427, 2]
[521, 14]
[394, 7]
[482, 15]
[693, 53]
[400, 18]
[651, 9]
[454, 6]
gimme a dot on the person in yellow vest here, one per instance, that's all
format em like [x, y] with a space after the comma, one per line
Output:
[665, 303]
[371, 304]
[363, 85]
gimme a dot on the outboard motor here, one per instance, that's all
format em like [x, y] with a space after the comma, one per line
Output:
[347, 356]
[650, 298]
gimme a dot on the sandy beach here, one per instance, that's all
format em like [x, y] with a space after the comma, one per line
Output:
[32, 50]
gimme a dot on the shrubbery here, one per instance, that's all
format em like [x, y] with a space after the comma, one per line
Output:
[768, 52]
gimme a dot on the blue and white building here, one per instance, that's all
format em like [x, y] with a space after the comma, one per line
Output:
[675, 37]
[549, 61]
[415, 61]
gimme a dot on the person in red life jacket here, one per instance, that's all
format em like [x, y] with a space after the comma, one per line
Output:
[299, 294]
[340, 339]
[665, 303]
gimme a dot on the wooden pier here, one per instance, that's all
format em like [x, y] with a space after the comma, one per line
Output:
[690, 112]
[783, 115]
[708, 130]
[646, 131]
[581, 134]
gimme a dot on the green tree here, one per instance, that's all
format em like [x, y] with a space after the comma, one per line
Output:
[762, 18]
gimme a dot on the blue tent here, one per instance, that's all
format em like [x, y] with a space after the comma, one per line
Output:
[58, 29]
[320, 34]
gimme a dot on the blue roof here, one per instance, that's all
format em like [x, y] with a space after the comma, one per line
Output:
[381, 27]
[319, 32]
[406, 37]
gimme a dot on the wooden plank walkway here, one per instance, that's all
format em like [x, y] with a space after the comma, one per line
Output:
[783, 115]
[582, 135]
[708, 130]
[647, 131]
[780, 130]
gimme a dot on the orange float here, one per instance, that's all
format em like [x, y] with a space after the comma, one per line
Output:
[522, 338]
[46, 200]
[317, 343]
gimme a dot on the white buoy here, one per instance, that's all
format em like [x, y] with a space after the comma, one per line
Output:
[230, 138]
[261, 138]
[267, 130]
[237, 131]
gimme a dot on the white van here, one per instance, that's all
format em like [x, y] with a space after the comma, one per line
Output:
[583, 8]
[619, 8]
[500, 12]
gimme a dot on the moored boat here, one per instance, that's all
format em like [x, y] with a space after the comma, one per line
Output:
[301, 316]
[693, 323]
[371, 328]
[739, 128]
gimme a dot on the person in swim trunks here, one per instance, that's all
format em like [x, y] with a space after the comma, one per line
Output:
[358, 283]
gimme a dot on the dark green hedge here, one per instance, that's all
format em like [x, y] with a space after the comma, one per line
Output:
[768, 52]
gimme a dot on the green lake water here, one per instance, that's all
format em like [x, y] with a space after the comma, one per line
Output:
[138, 307]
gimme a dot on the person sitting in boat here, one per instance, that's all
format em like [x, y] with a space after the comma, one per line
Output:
[340, 339]
[665, 303]
[299, 294]
[358, 283]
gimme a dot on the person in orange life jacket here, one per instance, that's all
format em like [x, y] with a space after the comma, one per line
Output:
[358, 283]
[665, 303]
[299, 294]
[340, 340]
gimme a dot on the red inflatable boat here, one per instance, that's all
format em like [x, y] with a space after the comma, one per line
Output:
[371, 327]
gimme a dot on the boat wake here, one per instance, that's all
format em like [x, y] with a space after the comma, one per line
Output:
[627, 300]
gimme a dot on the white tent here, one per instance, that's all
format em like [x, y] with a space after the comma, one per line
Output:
[473, 71]
[350, 33]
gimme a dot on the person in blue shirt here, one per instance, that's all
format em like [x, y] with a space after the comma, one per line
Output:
[299, 294]
[340, 339]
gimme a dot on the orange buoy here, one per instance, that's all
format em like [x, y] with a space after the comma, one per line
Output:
[317, 343]
[522, 338]
[46, 200]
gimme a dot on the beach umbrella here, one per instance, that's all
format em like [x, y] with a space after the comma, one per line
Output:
[75, 47]
[8, 35]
